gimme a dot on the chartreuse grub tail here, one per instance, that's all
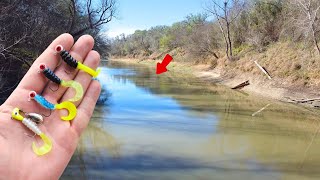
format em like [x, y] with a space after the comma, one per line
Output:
[77, 87]
[65, 55]
[54, 78]
[47, 144]
[72, 110]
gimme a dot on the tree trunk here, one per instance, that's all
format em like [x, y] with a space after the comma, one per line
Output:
[229, 39]
[72, 8]
[229, 43]
[224, 37]
[315, 39]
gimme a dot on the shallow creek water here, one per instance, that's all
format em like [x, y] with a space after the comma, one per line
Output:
[172, 126]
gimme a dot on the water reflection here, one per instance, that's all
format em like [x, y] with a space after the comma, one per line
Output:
[176, 127]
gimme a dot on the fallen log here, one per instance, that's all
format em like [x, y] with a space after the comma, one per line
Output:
[264, 70]
[260, 110]
[268, 74]
[304, 100]
[240, 86]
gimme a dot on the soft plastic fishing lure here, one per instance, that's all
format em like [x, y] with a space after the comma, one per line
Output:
[54, 78]
[47, 146]
[64, 105]
[74, 63]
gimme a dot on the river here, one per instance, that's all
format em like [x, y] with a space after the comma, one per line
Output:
[174, 126]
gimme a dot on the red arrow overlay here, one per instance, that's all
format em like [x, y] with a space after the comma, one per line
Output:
[162, 67]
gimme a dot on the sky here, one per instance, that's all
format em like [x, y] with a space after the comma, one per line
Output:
[144, 14]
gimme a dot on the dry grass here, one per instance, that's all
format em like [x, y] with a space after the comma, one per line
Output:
[289, 65]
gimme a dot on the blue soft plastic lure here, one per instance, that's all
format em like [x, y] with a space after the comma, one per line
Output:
[64, 105]
[41, 100]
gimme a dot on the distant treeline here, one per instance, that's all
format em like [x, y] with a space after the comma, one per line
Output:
[28, 27]
[233, 25]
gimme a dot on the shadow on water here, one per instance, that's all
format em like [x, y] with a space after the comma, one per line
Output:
[177, 127]
[104, 96]
[145, 165]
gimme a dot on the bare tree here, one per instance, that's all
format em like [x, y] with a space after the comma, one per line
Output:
[73, 12]
[201, 39]
[309, 19]
[96, 14]
[225, 15]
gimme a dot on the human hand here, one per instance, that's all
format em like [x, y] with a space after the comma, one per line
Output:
[17, 159]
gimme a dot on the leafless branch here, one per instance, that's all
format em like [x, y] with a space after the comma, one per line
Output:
[97, 16]
[14, 44]
[309, 20]
[225, 19]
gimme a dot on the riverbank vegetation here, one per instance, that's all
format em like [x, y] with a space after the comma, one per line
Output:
[28, 27]
[282, 35]
[237, 25]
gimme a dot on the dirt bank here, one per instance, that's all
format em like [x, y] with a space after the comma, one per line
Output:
[231, 74]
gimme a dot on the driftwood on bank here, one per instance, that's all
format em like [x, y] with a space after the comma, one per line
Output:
[260, 110]
[240, 86]
[314, 102]
[263, 69]
[304, 100]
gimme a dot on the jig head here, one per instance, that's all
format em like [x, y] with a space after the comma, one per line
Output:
[74, 63]
[72, 110]
[47, 146]
[54, 78]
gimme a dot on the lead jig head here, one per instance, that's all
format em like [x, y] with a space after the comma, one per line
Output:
[72, 110]
[54, 78]
[47, 144]
[65, 55]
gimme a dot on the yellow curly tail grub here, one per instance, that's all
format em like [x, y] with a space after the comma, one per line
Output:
[78, 89]
[88, 70]
[45, 148]
[72, 110]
